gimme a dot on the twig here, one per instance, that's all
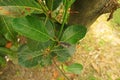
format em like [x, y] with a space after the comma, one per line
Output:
[60, 70]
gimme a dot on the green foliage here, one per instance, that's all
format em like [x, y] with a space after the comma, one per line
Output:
[2, 61]
[15, 8]
[52, 4]
[63, 53]
[44, 39]
[116, 18]
[32, 28]
[68, 3]
[92, 78]
[74, 33]
[7, 30]
[118, 79]
[75, 68]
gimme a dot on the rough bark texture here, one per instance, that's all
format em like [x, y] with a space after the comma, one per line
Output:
[85, 12]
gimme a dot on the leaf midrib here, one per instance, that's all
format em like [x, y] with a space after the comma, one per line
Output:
[35, 30]
[71, 36]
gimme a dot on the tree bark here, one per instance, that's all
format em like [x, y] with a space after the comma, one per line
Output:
[85, 12]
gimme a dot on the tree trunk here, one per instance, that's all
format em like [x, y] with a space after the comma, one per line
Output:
[85, 12]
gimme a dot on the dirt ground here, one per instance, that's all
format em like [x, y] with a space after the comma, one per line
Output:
[98, 52]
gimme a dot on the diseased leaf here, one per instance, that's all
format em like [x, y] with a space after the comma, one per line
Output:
[75, 68]
[32, 28]
[73, 34]
[15, 8]
[14, 11]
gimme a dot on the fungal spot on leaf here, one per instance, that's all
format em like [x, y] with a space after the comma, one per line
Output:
[28, 9]
[7, 13]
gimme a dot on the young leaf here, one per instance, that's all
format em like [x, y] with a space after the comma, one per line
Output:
[73, 34]
[32, 28]
[74, 68]
[52, 4]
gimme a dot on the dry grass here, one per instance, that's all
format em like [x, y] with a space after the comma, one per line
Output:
[99, 52]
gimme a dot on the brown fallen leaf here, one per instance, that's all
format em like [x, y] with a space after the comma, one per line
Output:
[55, 74]
[95, 67]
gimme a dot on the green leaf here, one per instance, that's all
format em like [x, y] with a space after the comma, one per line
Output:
[63, 53]
[32, 28]
[50, 28]
[75, 68]
[5, 51]
[19, 8]
[67, 3]
[38, 45]
[6, 28]
[71, 2]
[29, 57]
[48, 24]
[53, 4]
[73, 34]
[3, 41]
[2, 61]
[46, 61]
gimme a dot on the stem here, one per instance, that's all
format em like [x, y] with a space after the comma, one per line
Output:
[60, 70]
[63, 23]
